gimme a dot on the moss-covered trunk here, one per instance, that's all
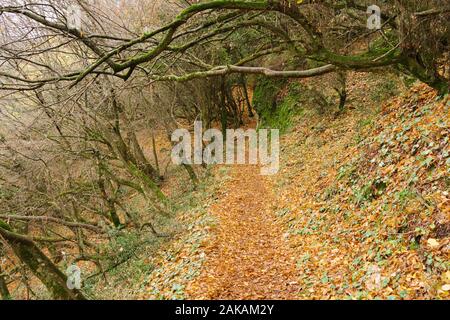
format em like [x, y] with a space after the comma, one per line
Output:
[41, 266]
[430, 76]
[4, 292]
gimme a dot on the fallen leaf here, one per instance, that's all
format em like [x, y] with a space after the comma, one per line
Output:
[432, 243]
[446, 287]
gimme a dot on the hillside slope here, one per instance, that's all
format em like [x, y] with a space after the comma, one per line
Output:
[362, 200]
[365, 197]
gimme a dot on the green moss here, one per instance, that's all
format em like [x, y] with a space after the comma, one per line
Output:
[266, 92]
[377, 56]
[276, 112]
[5, 226]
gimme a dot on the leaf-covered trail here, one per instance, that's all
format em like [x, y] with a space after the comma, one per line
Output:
[248, 257]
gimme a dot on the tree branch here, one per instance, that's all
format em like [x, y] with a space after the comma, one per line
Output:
[224, 70]
[54, 220]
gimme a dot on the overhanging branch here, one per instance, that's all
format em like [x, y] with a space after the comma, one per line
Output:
[230, 69]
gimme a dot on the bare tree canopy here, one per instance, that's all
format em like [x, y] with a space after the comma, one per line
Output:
[98, 102]
[111, 48]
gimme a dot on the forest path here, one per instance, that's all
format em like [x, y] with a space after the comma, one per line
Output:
[247, 258]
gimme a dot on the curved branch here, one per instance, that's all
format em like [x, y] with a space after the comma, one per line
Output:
[170, 29]
[432, 12]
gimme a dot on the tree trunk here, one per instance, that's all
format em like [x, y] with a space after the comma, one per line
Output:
[223, 109]
[247, 99]
[170, 127]
[155, 154]
[191, 174]
[412, 63]
[137, 157]
[41, 266]
[109, 202]
[342, 90]
[4, 292]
